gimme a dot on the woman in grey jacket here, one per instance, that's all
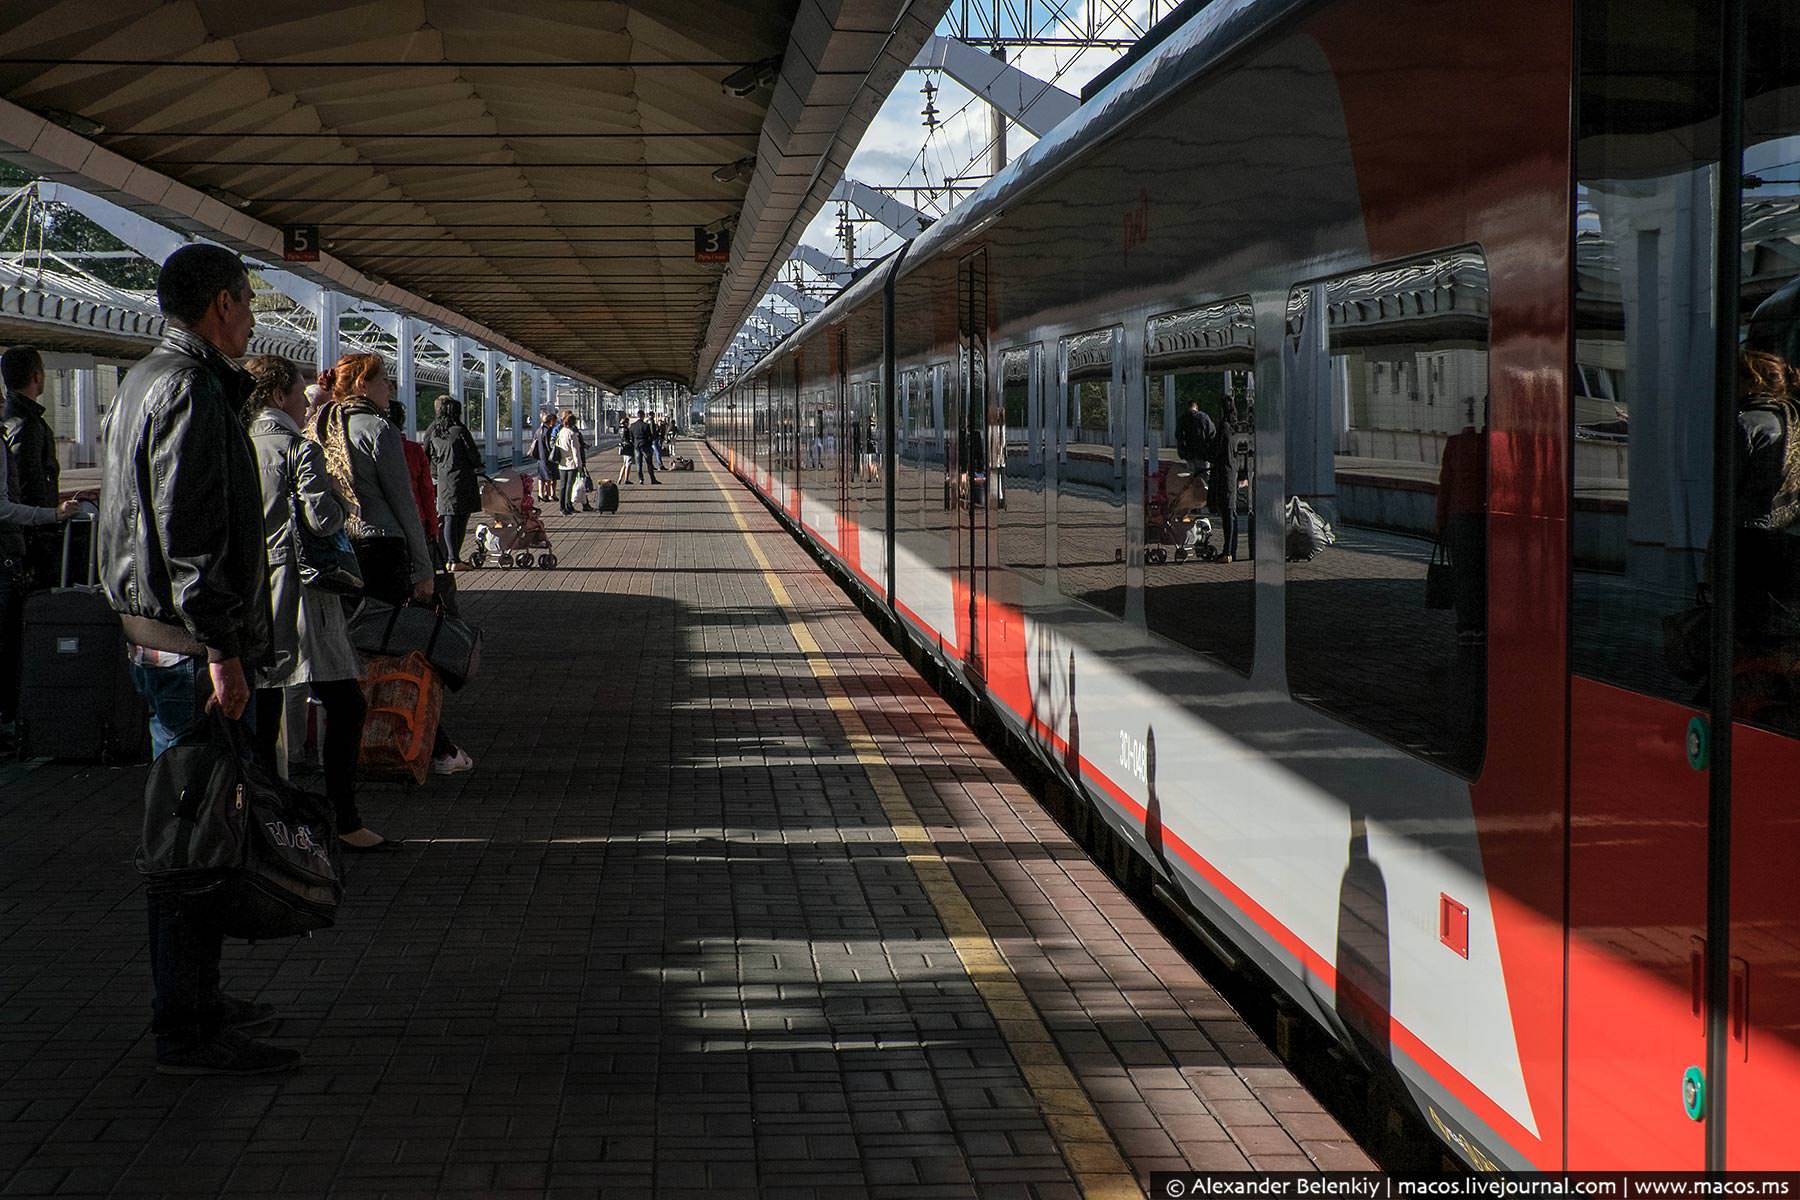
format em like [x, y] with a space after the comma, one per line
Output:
[364, 456]
[311, 640]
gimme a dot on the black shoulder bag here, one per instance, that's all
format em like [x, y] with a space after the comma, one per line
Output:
[261, 854]
[325, 561]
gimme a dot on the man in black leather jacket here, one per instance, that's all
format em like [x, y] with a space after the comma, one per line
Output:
[183, 562]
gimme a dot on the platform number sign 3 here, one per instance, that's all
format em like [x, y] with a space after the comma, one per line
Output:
[300, 243]
[712, 245]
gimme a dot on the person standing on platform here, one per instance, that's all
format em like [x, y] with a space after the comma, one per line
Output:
[36, 473]
[626, 450]
[311, 638]
[543, 454]
[643, 436]
[418, 472]
[456, 473]
[571, 460]
[182, 561]
[365, 456]
[16, 517]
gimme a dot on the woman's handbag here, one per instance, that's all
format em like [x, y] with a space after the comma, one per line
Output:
[452, 646]
[260, 855]
[326, 562]
[1440, 578]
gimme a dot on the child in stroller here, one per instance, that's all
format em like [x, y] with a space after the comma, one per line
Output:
[1180, 521]
[514, 530]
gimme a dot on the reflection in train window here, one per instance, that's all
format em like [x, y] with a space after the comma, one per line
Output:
[1019, 508]
[1090, 484]
[1766, 670]
[1199, 399]
[1387, 481]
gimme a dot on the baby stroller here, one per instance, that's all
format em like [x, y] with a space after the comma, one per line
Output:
[514, 530]
[1176, 517]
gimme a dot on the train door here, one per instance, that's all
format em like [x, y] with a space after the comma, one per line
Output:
[967, 460]
[1684, 939]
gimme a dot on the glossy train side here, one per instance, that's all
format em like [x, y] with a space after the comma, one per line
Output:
[1468, 859]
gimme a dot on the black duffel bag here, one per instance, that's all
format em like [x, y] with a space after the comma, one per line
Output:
[262, 855]
[451, 645]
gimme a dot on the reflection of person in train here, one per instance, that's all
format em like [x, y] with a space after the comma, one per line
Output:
[1462, 523]
[1767, 677]
[1209, 480]
[1222, 492]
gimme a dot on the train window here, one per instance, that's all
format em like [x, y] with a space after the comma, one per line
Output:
[1387, 473]
[1020, 509]
[1642, 508]
[1090, 483]
[1766, 675]
[1199, 400]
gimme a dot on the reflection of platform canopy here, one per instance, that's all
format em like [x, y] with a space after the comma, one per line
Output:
[537, 166]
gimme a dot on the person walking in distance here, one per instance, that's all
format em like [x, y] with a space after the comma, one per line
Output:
[182, 561]
[643, 437]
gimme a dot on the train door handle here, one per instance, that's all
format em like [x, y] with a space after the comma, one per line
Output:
[1739, 1020]
[1697, 979]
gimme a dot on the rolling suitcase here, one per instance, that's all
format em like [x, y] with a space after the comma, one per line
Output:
[606, 497]
[76, 698]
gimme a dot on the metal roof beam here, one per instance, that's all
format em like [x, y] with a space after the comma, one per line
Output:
[1036, 105]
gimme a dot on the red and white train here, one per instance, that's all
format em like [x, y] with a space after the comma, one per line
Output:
[1469, 279]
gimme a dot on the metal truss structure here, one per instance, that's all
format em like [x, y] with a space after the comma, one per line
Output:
[1009, 24]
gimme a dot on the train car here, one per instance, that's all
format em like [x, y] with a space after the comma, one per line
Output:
[1354, 451]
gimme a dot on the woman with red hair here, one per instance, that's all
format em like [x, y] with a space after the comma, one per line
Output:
[366, 455]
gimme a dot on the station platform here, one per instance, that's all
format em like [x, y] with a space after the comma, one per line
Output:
[733, 905]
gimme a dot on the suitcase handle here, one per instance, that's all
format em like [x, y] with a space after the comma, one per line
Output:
[89, 518]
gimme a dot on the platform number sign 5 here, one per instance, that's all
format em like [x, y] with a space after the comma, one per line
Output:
[712, 245]
[300, 243]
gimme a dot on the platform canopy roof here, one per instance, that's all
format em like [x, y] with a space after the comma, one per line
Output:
[535, 169]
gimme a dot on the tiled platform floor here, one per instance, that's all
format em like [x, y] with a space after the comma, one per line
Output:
[664, 941]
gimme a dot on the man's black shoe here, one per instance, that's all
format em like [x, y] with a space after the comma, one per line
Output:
[231, 1053]
[246, 1014]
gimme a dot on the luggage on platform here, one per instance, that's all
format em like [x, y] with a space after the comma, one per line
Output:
[451, 645]
[405, 701]
[76, 698]
[607, 496]
[259, 853]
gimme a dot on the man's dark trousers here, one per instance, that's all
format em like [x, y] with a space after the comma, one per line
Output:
[185, 946]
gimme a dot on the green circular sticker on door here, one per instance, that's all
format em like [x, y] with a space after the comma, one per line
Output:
[1697, 743]
[1693, 1093]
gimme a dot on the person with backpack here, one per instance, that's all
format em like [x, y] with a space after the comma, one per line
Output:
[456, 473]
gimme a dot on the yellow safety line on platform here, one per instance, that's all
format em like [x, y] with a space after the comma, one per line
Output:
[1092, 1156]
